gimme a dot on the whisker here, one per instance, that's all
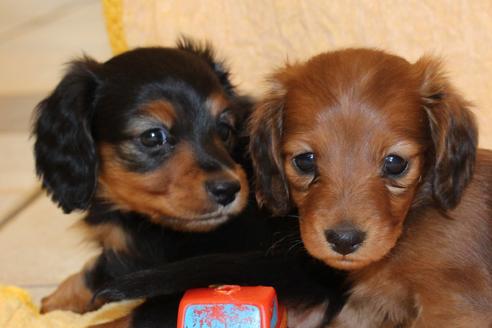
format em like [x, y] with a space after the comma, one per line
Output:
[297, 246]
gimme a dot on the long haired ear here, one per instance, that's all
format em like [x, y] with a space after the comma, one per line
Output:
[66, 159]
[207, 53]
[453, 131]
[265, 128]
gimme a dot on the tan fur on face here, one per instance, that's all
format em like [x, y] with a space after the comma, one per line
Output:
[216, 103]
[162, 111]
[173, 195]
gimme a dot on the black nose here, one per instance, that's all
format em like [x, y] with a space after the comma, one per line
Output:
[223, 192]
[345, 240]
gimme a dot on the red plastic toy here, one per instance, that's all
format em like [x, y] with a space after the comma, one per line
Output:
[231, 306]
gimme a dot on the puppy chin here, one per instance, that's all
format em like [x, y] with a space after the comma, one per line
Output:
[346, 263]
[211, 221]
[204, 225]
[208, 221]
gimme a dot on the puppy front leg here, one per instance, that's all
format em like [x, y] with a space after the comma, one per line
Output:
[72, 294]
[353, 317]
[361, 314]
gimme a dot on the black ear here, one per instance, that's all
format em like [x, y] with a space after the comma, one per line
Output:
[265, 128]
[453, 131]
[66, 159]
[207, 53]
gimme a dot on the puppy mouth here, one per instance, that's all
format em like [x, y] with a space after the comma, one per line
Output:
[350, 262]
[210, 217]
[214, 216]
[345, 263]
[224, 211]
[202, 222]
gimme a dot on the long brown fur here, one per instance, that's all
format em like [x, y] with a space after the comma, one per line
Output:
[426, 259]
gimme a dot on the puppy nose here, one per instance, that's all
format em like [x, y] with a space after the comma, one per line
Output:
[345, 240]
[223, 191]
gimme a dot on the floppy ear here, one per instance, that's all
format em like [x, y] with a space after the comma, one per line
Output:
[265, 128]
[66, 159]
[453, 132]
[207, 53]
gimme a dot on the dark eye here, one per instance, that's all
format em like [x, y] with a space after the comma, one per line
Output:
[394, 165]
[154, 138]
[224, 130]
[305, 163]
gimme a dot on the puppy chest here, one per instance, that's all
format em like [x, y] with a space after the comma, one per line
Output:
[388, 302]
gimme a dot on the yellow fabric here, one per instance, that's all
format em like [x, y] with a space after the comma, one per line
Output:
[17, 310]
[113, 13]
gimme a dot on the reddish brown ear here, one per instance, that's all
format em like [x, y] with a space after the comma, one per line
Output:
[265, 128]
[453, 131]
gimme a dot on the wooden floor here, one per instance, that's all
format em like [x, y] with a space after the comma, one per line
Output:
[38, 247]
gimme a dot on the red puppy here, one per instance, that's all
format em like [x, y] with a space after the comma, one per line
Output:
[379, 157]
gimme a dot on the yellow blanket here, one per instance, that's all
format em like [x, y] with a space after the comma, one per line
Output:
[17, 310]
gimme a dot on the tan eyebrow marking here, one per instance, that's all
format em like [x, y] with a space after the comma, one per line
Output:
[161, 110]
[216, 103]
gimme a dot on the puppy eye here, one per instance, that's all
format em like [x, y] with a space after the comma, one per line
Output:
[305, 163]
[394, 165]
[154, 138]
[224, 130]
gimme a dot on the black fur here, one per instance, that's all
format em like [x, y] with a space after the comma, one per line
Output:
[300, 281]
[66, 158]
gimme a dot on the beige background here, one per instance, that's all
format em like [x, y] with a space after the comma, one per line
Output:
[256, 36]
[37, 247]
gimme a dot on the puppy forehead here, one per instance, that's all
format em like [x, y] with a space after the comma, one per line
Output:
[133, 81]
[351, 100]
[172, 110]
[351, 75]
[351, 121]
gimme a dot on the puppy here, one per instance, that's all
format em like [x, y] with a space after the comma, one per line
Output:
[380, 158]
[145, 144]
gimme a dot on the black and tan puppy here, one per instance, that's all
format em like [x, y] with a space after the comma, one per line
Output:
[144, 143]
